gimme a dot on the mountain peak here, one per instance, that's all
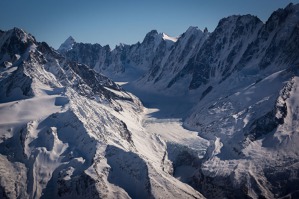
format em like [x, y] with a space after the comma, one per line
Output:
[153, 32]
[292, 6]
[21, 35]
[67, 45]
[152, 36]
[193, 30]
[70, 38]
[206, 30]
[279, 16]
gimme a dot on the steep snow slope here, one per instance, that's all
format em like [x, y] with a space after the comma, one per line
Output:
[243, 126]
[67, 131]
[248, 116]
[241, 80]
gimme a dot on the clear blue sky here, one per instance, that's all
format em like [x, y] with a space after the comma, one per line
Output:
[122, 21]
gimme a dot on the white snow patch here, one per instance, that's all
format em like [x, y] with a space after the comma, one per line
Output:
[167, 37]
[24, 111]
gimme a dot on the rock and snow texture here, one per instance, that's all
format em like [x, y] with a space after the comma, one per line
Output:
[197, 59]
[246, 110]
[69, 132]
[242, 80]
[125, 62]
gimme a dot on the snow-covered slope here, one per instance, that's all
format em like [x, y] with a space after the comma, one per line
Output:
[221, 118]
[69, 132]
[242, 81]
[248, 115]
[250, 137]
[167, 37]
[125, 61]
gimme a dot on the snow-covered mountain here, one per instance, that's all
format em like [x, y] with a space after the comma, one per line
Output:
[221, 118]
[197, 58]
[242, 81]
[164, 70]
[126, 62]
[69, 132]
[248, 111]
